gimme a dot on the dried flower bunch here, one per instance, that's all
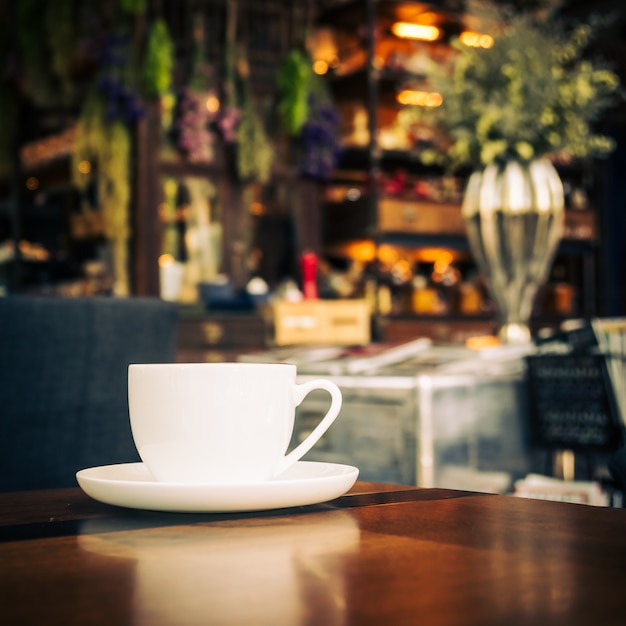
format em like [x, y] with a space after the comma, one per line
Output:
[531, 94]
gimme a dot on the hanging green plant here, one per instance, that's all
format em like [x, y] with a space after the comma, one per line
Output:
[60, 20]
[46, 38]
[133, 7]
[104, 150]
[308, 114]
[113, 184]
[36, 79]
[90, 134]
[255, 154]
[114, 165]
[159, 61]
[294, 85]
[241, 124]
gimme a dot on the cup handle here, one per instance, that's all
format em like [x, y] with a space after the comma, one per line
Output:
[300, 392]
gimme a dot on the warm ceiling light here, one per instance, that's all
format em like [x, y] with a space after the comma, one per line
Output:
[257, 208]
[476, 40]
[320, 67]
[407, 30]
[165, 260]
[481, 342]
[84, 166]
[419, 98]
[443, 260]
[432, 255]
[212, 104]
[363, 251]
[388, 254]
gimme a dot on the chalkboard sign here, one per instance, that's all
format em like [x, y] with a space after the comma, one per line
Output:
[572, 403]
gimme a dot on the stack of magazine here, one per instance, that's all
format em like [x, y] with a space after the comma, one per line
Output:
[610, 335]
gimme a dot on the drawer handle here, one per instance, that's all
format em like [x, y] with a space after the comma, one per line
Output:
[409, 214]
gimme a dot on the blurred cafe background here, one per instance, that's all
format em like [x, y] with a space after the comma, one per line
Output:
[424, 201]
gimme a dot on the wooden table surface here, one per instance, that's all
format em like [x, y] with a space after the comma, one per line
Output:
[380, 555]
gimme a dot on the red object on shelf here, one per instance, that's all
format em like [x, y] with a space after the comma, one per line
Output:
[309, 275]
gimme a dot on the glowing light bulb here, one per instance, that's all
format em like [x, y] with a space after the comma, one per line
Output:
[407, 30]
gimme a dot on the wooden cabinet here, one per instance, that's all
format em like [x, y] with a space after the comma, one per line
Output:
[205, 337]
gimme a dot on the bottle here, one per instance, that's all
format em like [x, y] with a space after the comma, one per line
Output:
[309, 275]
[424, 296]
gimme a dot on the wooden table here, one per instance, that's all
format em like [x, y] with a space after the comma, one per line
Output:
[380, 555]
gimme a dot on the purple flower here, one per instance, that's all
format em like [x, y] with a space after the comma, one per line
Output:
[228, 123]
[320, 141]
[192, 127]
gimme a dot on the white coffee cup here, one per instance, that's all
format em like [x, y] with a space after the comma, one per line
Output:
[220, 422]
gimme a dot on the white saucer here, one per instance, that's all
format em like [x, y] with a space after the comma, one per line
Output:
[131, 485]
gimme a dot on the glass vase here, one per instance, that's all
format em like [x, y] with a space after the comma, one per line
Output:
[514, 214]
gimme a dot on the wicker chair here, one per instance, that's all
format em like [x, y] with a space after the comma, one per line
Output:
[63, 382]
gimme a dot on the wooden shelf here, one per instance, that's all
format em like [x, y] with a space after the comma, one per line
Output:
[406, 217]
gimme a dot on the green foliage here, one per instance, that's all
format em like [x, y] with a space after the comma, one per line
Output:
[133, 7]
[60, 23]
[294, 85]
[31, 43]
[159, 61]
[531, 94]
[107, 148]
[255, 155]
[254, 151]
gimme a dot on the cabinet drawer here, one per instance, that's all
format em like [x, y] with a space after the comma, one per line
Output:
[411, 216]
[580, 225]
[222, 331]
